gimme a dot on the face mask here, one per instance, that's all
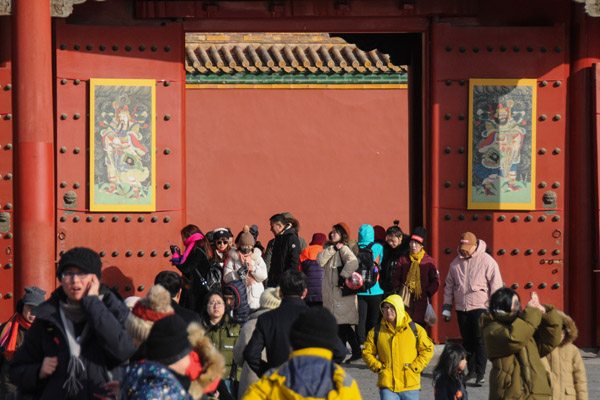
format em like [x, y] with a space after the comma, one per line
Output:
[245, 251]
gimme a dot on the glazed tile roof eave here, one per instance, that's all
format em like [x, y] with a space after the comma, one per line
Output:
[245, 78]
[247, 57]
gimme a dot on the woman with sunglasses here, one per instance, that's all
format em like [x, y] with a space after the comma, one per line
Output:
[220, 246]
[194, 267]
[246, 264]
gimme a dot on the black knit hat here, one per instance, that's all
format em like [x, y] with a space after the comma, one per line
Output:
[168, 340]
[83, 258]
[419, 235]
[315, 327]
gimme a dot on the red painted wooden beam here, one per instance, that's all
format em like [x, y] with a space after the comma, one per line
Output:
[33, 137]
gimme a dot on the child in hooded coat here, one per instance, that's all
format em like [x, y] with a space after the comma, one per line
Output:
[565, 366]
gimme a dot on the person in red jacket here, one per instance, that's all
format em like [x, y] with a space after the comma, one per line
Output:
[418, 272]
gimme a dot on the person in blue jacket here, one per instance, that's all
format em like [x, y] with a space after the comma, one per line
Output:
[368, 302]
[78, 339]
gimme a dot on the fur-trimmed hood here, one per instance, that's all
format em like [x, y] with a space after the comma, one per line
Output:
[570, 328]
[235, 256]
[211, 360]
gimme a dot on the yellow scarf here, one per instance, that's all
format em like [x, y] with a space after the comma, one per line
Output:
[413, 279]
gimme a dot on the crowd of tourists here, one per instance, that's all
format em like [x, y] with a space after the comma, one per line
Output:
[239, 320]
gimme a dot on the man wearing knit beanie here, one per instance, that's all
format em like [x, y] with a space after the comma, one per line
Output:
[308, 370]
[78, 338]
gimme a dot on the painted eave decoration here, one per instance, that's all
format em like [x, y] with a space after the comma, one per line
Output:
[58, 8]
[284, 58]
[592, 7]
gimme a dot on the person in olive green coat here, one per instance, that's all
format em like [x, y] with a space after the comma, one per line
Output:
[223, 332]
[515, 341]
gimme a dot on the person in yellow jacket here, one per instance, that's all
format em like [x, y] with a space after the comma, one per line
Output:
[397, 350]
[310, 372]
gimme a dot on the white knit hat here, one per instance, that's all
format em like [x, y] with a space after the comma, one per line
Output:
[270, 298]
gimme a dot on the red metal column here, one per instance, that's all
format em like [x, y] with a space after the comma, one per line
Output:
[33, 137]
[581, 201]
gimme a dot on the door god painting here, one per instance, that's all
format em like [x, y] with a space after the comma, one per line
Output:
[122, 143]
[501, 144]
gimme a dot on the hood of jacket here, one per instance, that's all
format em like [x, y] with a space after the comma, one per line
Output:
[288, 230]
[366, 235]
[310, 252]
[481, 247]
[401, 318]
[211, 360]
[569, 327]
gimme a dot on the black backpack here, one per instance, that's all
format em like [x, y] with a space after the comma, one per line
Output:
[367, 268]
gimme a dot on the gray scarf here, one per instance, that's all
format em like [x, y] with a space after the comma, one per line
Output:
[69, 314]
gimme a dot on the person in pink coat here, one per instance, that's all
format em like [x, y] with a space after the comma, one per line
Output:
[472, 279]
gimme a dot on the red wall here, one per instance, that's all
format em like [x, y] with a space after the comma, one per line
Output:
[325, 155]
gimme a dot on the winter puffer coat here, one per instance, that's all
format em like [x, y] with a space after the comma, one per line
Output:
[313, 272]
[241, 309]
[397, 359]
[565, 365]
[471, 281]
[515, 348]
[259, 273]
[309, 374]
[103, 348]
[343, 308]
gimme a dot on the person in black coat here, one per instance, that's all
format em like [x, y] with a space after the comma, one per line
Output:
[171, 281]
[286, 249]
[78, 338]
[396, 246]
[272, 331]
[273, 328]
[195, 268]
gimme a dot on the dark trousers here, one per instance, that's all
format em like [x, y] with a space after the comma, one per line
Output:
[468, 322]
[346, 334]
[368, 315]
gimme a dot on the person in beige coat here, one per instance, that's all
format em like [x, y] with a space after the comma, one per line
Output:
[339, 262]
[565, 366]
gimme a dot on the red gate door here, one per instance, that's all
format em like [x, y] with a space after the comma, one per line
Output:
[6, 190]
[528, 245]
[133, 245]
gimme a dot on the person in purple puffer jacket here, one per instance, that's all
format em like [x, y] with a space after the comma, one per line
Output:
[312, 270]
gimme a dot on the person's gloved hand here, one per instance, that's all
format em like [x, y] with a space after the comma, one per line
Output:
[341, 281]
[447, 314]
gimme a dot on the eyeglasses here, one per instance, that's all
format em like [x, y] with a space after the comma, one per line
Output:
[222, 242]
[216, 304]
[385, 308]
[73, 274]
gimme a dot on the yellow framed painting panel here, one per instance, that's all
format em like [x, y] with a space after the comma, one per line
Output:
[122, 145]
[502, 134]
